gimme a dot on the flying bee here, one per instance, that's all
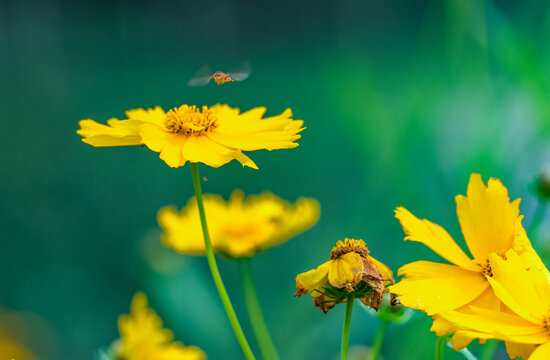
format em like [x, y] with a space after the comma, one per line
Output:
[205, 74]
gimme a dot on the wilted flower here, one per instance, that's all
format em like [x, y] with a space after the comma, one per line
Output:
[143, 338]
[239, 227]
[213, 136]
[350, 270]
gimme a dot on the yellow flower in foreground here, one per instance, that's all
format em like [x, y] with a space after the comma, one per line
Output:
[239, 227]
[522, 283]
[143, 338]
[490, 224]
[350, 270]
[213, 136]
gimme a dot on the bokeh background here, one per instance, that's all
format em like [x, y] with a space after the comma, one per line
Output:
[402, 101]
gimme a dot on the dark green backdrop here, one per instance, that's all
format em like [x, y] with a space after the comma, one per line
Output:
[402, 101]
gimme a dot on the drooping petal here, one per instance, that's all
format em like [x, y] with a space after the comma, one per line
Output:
[487, 217]
[434, 288]
[433, 236]
[312, 280]
[116, 133]
[203, 149]
[169, 145]
[541, 353]
[517, 350]
[346, 271]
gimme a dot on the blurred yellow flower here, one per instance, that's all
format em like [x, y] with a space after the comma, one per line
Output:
[350, 270]
[12, 329]
[490, 224]
[522, 283]
[239, 227]
[213, 136]
[143, 338]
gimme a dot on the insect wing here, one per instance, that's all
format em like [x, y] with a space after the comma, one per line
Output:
[202, 77]
[241, 72]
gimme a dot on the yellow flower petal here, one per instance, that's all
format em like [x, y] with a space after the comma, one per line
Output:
[433, 236]
[202, 149]
[249, 131]
[516, 350]
[169, 145]
[521, 284]
[117, 133]
[435, 288]
[154, 116]
[541, 353]
[185, 226]
[501, 325]
[312, 280]
[487, 218]
[346, 271]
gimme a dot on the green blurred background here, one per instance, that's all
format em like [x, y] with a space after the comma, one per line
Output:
[402, 101]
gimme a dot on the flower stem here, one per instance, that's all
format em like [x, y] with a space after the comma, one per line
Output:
[255, 312]
[439, 346]
[489, 350]
[214, 268]
[378, 339]
[347, 322]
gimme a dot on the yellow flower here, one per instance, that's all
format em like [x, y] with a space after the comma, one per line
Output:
[239, 227]
[213, 136]
[490, 224]
[350, 270]
[13, 329]
[522, 283]
[143, 338]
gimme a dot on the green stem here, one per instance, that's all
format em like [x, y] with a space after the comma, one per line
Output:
[214, 268]
[489, 350]
[439, 346]
[347, 322]
[378, 339]
[255, 312]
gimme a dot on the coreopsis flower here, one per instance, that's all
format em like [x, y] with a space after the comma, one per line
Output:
[350, 270]
[211, 135]
[522, 283]
[491, 224]
[143, 338]
[239, 227]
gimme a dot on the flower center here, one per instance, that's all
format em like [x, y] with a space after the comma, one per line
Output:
[546, 322]
[347, 246]
[189, 120]
[486, 269]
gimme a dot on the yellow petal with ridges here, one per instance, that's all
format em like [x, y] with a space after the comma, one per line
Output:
[169, 145]
[116, 133]
[346, 270]
[520, 284]
[154, 116]
[487, 217]
[434, 287]
[517, 350]
[434, 237]
[313, 280]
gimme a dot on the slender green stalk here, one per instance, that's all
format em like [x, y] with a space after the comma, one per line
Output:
[439, 346]
[347, 322]
[378, 339]
[214, 268]
[489, 350]
[255, 312]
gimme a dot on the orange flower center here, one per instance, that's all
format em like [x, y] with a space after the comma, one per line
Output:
[189, 120]
[347, 246]
[486, 269]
